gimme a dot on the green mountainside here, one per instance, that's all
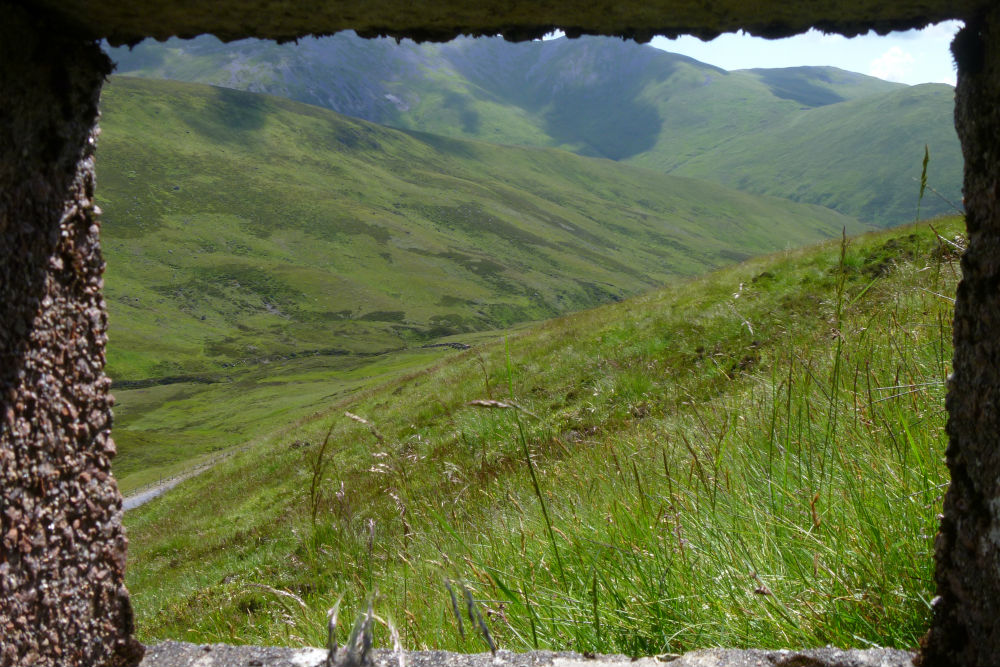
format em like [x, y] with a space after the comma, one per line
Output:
[243, 228]
[803, 133]
[841, 156]
[748, 458]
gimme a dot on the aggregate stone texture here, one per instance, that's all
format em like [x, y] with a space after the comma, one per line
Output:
[130, 22]
[62, 546]
[965, 629]
[177, 654]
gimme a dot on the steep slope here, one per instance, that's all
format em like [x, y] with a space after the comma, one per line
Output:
[616, 99]
[243, 228]
[343, 73]
[749, 458]
[820, 86]
[607, 98]
[827, 156]
[604, 96]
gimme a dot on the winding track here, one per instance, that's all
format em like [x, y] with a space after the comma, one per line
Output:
[144, 494]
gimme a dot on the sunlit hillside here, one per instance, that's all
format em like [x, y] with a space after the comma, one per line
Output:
[749, 458]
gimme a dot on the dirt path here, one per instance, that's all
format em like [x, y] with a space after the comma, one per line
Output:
[144, 494]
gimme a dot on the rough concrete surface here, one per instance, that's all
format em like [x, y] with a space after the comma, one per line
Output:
[965, 629]
[128, 22]
[62, 547]
[177, 654]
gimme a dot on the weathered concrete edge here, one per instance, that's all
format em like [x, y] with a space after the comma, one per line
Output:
[179, 654]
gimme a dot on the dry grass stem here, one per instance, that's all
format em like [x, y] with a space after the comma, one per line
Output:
[371, 426]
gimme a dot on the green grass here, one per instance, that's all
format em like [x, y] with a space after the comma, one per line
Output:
[242, 227]
[163, 430]
[262, 251]
[826, 155]
[750, 458]
[812, 134]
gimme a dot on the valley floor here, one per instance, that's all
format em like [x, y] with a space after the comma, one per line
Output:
[165, 430]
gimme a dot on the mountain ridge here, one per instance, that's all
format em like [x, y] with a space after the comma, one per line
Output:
[600, 97]
[242, 226]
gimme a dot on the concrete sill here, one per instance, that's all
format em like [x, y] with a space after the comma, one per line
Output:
[178, 654]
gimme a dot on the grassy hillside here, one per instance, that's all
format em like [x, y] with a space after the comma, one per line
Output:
[825, 155]
[608, 98]
[753, 457]
[599, 96]
[242, 228]
[163, 430]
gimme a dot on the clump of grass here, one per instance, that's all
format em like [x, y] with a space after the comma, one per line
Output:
[671, 478]
[318, 465]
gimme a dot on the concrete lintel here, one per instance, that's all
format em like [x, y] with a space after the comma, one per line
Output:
[441, 20]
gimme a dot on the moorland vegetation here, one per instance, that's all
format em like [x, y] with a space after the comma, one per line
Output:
[256, 244]
[749, 458]
[353, 315]
[819, 135]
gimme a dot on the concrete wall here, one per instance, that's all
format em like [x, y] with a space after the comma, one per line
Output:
[62, 562]
[966, 625]
[62, 546]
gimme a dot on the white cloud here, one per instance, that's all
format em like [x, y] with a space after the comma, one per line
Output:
[893, 65]
[912, 57]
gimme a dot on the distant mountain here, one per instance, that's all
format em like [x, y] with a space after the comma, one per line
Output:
[863, 156]
[812, 134]
[243, 227]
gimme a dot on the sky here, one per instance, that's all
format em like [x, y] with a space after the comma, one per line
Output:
[911, 57]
